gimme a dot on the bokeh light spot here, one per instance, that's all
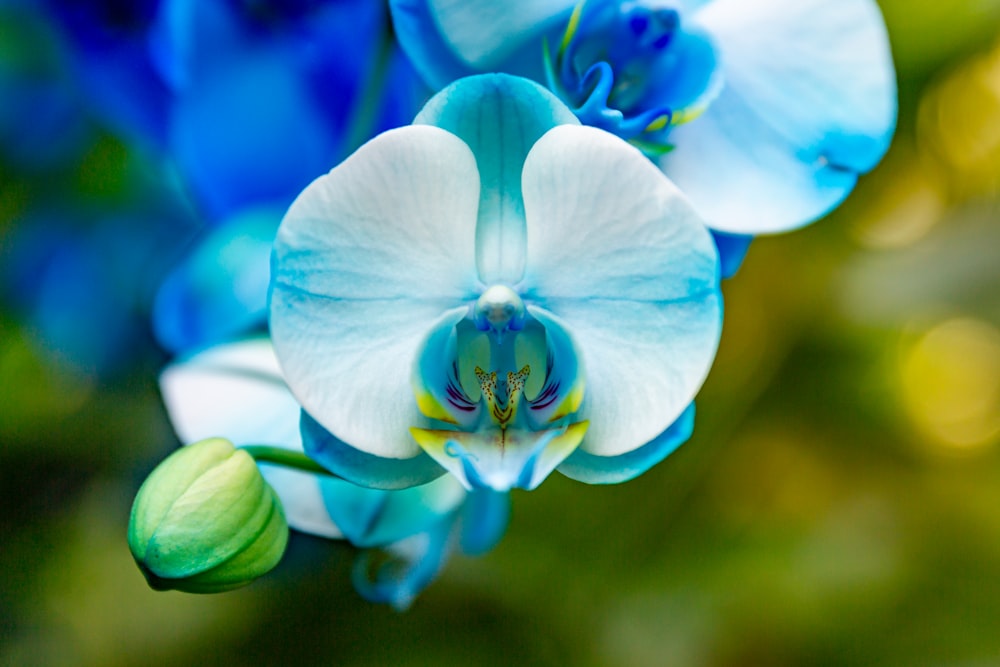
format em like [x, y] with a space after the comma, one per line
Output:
[951, 383]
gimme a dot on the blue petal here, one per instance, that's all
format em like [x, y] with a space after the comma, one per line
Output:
[220, 290]
[423, 43]
[484, 33]
[585, 467]
[239, 146]
[732, 250]
[484, 520]
[374, 517]
[365, 469]
[620, 257]
[71, 297]
[398, 574]
[113, 69]
[500, 118]
[186, 34]
[368, 261]
[809, 103]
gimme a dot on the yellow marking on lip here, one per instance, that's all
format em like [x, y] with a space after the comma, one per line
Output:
[571, 403]
[428, 404]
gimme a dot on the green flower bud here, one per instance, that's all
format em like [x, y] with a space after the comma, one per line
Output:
[205, 521]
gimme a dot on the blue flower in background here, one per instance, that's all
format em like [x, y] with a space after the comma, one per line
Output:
[237, 389]
[249, 99]
[82, 278]
[41, 124]
[218, 291]
[763, 113]
[488, 291]
[107, 40]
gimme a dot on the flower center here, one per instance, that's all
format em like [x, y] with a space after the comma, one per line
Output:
[499, 310]
[632, 69]
[504, 386]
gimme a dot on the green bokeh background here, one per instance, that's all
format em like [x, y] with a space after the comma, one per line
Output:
[839, 503]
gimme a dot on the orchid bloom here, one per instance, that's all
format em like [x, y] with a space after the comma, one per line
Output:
[237, 391]
[488, 292]
[763, 113]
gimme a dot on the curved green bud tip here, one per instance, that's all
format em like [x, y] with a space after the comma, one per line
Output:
[205, 521]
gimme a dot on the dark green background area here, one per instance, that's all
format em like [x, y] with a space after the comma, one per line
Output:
[821, 515]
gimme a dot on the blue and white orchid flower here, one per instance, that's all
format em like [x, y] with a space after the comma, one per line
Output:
[763, 113]
[236, 390]
[489, 291]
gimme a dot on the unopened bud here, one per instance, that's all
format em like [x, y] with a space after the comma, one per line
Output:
[205, 521]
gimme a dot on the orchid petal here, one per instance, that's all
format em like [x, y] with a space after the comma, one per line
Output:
[236, 391]
[638, 287]
[483, 33]
[361, 468]
[500, 118]
[235, 158]
[405, 568]
[585, 467]
[732, 251]
[360, 279]
[220, 290]
[484, 520]
[424, 45]
[371, 517]
[808, 104]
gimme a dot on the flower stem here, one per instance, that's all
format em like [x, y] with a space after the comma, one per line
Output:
[286, 458]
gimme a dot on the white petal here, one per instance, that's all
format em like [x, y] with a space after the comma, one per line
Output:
[500, 118]
[809, 103]
[618, 255]
[366, 261]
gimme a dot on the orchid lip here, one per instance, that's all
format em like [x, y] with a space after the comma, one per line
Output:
[504, 386]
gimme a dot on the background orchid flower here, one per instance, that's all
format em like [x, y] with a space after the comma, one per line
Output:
[218, 290]
[488, 290]
[237, 390]
[249, 100]
[763, 113]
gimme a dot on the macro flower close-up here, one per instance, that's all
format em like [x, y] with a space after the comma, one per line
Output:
[463, 296]
[598, 333]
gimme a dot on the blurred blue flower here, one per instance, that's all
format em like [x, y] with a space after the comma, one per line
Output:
[218, 290]
[83, 279]
[238, 390]
[763, 113]
[488, 290]
[250, 99]
[110, 63]
[41, 123]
